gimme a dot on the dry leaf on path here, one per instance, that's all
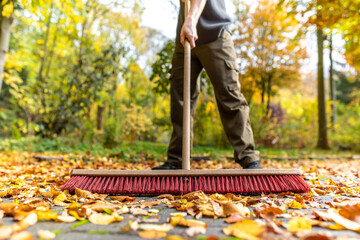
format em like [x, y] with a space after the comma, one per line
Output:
[181, 221]
[347, 223]
[192, 231]
[22, 236]
[122, 198]
[5, 232]
[46, 234]
[299, 224]
[104, 219]
[246, 229]
[234, 218]
[231, 208]
[151, 234]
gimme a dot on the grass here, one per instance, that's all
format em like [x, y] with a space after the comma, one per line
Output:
[155, 151]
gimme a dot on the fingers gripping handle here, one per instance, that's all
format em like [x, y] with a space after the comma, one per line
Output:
[186, 106]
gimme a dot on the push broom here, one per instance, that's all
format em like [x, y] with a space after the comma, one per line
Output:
[152, 182]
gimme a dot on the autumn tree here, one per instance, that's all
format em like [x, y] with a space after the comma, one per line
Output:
[269, 50]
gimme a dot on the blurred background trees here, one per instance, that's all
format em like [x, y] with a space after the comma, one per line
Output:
[91, 71]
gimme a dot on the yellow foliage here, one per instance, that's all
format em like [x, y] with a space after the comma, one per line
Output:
[8, 9]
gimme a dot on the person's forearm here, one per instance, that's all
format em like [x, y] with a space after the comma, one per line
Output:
[196, 8]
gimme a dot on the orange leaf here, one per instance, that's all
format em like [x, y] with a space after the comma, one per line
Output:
[152, 234]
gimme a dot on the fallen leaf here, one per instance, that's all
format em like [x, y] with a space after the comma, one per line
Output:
[45, 234]
[139, 211]
[234, 218]
[347, 223]
[8, 208]
[167, 196]
[151, 234]
[104, 219]
[181, 221]
[66, 219]
[246, 229]
[317, 236]
[299, 224]
[122, 198]
[101, 206]
[5, 232]
[158, 227]
[231, 208]
[174, 237]
[83, 193]
[295, 204]
[192, 231]
[22, 236]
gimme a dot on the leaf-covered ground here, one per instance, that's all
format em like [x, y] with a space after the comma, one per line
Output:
[33, 207]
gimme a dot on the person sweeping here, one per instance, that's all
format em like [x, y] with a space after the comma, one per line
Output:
[206, 27]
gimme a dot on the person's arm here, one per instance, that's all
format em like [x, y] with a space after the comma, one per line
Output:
[188, 30]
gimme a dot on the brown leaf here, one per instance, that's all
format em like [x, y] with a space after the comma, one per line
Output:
[268, 210]
[122, 198]
[234, 218]
[151, 204]
[83, 194]
[8, 208]
[152, 234]
[231, 208]
[101, 206]
[181, 221]
[167, 196]
[347, 223]
[317, 236]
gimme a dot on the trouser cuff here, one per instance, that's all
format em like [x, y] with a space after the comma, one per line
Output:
[248, 157]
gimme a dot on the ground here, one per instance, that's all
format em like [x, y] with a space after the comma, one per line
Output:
[34, 207]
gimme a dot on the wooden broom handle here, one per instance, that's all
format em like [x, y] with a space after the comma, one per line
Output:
[186, 100]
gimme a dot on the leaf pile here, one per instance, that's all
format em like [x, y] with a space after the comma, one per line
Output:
[29, 189]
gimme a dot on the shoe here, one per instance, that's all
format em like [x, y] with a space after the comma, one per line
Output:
[253, 165]
[166, 166]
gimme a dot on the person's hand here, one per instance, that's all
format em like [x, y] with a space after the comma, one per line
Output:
[189, 32]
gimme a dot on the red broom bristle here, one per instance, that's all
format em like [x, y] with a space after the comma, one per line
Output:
[181, 185]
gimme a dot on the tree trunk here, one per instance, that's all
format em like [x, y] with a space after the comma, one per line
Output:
[322, 129]
[99, 117]
[262, 91]
[6, 23]
[269, 92]
[332, 83]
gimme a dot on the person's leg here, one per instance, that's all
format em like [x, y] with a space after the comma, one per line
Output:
[176, 91]
[219, 61]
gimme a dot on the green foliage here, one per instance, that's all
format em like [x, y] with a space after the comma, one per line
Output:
[109, 138]
[161, 69]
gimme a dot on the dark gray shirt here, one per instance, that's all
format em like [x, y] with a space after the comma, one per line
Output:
[212, 21]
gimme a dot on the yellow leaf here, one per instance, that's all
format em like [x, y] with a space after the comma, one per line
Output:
[295, 204]
[181, 221]
[299, 224]
[152, 234]
[104, 219]
[8, 9]
[246, 229]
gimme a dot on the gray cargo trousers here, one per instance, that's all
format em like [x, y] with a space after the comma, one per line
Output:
[218, 58]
